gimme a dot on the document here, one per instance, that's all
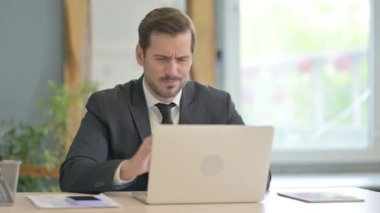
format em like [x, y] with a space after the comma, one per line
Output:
[320, 197]
[60, 201]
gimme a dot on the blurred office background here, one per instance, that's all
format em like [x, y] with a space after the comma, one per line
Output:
[305, 67]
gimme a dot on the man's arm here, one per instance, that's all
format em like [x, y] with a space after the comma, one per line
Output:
[86, 168]
[233, 117]
[139, 163]
[106, 138]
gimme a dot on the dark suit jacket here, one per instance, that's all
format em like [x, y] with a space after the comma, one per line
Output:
[115, 124]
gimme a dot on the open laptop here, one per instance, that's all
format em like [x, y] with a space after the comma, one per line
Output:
[208, 164]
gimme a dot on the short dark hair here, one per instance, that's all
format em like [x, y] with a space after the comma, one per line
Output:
[165, 20]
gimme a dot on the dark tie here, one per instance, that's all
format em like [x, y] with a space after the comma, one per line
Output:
[166, 112]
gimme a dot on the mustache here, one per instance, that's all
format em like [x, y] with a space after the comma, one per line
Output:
[171, 78]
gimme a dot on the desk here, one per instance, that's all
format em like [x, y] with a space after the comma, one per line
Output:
[272, 203]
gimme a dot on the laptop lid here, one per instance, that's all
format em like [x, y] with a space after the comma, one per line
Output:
[209, 163]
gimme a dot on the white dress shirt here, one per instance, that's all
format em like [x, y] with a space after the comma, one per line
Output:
[155, 118]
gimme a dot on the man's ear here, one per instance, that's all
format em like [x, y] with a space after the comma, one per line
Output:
[139, 55]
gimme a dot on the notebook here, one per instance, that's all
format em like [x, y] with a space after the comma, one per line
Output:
[208, 164]
[320, 196]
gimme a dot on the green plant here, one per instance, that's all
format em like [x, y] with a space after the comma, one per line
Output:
[23, 142]
[57, 109]
[45, 143]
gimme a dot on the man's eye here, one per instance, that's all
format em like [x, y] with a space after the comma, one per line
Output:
[182, 59]
[161, 59]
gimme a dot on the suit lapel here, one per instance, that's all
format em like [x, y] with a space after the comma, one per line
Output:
[139, 110]
[190, 113]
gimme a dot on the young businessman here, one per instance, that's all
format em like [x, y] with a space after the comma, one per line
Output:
[111, 150]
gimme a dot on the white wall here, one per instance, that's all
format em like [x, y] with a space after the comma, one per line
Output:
[31, 53]
[114, 36]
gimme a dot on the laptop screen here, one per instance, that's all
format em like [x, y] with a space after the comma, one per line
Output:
[209, 163]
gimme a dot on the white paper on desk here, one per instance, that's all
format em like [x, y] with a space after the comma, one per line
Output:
[57, 201]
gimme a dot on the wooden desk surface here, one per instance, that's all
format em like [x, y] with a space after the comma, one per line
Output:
[272, 203]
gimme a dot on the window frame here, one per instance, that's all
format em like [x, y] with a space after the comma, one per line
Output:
[228, 33]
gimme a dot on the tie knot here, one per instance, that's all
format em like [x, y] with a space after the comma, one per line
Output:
[166, 112]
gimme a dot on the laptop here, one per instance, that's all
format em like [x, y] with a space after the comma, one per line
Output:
[208, 164]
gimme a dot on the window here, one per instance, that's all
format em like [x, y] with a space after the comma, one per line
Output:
[307, 67]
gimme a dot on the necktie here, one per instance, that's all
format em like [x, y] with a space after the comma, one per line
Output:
[166, 112]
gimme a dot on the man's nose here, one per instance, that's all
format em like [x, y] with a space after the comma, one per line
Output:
[172, 66]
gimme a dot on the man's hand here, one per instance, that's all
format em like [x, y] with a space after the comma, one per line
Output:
[139, 163]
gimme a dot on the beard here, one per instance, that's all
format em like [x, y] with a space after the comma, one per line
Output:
[166, 92]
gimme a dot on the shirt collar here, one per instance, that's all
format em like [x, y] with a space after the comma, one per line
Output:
[151, 100]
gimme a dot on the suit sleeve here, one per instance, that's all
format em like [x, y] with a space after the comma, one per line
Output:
[87, 168]
[233, 117]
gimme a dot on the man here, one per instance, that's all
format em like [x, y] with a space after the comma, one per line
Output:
[111, 150]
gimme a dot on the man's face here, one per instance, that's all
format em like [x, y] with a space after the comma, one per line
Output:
[166, 64]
